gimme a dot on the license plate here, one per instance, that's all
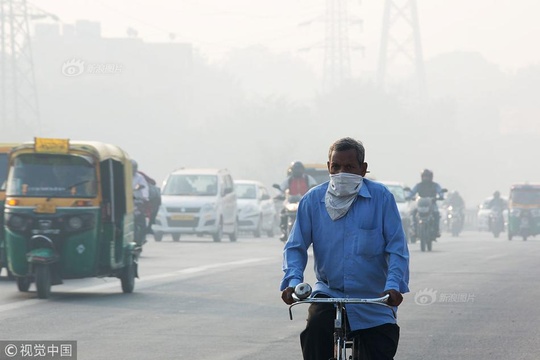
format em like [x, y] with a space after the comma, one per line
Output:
[182, 217]
[46, 208]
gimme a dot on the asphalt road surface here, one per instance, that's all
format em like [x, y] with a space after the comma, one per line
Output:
[472, 297]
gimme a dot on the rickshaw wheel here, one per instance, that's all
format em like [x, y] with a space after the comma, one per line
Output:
[128, 277]
[43, 281]
[23, 283]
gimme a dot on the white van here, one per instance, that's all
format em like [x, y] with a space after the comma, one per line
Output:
[197, 201]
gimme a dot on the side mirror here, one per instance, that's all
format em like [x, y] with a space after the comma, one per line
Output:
[444, 190]
[276, 186]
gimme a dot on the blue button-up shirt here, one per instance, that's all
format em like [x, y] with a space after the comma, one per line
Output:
[360, 255]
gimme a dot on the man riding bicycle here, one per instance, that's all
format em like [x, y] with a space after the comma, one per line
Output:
[359, 250]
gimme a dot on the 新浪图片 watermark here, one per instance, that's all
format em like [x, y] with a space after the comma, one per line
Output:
[37, 349]
[431, 296]
[76, 67]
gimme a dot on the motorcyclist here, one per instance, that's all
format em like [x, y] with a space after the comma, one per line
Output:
[497, 203]
[141, 197]
[427, 188]
[457, 203]
[140, 185]
[154, 199]
[297, 183]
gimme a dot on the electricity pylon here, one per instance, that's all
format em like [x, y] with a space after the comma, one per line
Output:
[18, 95]
[337, 53]
[401, 13]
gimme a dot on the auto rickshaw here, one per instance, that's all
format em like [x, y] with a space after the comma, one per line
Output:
[4, 152]
[69, 214]
[524, 211]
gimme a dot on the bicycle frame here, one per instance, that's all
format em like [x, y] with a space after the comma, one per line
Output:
[341, 343]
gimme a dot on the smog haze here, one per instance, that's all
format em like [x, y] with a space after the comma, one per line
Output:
[243, 85]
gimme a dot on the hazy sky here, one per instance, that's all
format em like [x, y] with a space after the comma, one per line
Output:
[504, 31]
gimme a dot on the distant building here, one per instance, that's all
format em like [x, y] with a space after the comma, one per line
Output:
[87, 83]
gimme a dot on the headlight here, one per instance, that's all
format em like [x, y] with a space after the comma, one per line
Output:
[16, 222]
[291, 207]
[75, 223]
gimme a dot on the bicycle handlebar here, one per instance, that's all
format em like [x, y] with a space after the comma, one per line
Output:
[305, 299]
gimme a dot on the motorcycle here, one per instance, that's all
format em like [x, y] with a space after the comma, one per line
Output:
[288, 212]
[454, 220]
[425, 221]
[496, 222]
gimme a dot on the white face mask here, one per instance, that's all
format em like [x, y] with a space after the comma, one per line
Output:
[342, 191]
[345, 184]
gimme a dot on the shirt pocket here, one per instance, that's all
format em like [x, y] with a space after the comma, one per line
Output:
[368, 242]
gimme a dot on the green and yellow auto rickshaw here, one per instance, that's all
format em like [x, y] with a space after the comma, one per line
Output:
[69, 214]
[524, 211]
[4, 153]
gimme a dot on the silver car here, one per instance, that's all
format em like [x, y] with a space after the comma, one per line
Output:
[256, 210]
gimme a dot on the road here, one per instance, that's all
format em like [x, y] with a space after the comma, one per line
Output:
[472, 297]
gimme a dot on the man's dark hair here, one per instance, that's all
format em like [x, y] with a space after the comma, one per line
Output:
[348, 143]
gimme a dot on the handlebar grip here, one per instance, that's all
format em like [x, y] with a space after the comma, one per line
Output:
[302, 291]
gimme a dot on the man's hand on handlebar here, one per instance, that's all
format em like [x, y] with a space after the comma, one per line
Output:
[286, 295]
[395, 297]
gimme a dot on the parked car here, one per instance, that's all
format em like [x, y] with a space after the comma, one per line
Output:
[197, 201]
[399, 190]
[256, 210]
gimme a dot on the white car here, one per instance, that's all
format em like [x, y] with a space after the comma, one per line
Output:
[256, 210]
[400, 195]
[197, 201]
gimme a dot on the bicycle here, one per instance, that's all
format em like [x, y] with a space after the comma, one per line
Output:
[344, 345]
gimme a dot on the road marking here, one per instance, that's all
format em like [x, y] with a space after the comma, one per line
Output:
[145, 281]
